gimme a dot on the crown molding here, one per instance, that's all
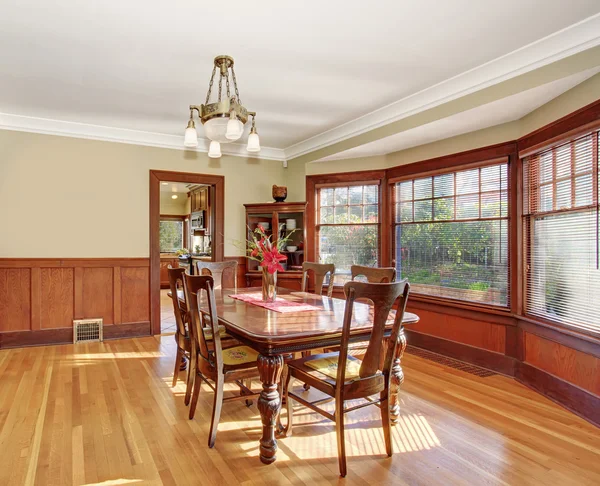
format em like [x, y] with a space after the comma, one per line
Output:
[562, 44]
[61, 128]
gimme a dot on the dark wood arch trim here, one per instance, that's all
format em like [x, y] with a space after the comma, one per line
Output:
[217, 184]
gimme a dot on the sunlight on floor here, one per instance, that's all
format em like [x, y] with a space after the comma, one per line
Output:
[364, 437]
[114, 482]
[117, 355]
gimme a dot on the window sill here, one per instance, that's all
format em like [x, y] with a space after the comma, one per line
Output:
[468, 310]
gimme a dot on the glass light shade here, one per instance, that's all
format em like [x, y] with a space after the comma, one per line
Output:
[235, 128]
[216, 129]
[214, 151]
[253, 143]
[191, 137]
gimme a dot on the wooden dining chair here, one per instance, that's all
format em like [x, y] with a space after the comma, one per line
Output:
[217, 269]
[182, 336]
[320, 271]
[373, 274]
[215, 365]
[344, 377]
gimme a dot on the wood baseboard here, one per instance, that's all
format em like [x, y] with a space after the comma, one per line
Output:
[41, 337]
[64, 335]
[128, 330]
[579, 401]
[575, 399]
[491, 360]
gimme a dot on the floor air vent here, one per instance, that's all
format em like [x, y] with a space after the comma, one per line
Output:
[449, 362]
[87, 330]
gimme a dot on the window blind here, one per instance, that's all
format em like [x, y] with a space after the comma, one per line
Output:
[451, 234]
[561, 231]
[348, 227]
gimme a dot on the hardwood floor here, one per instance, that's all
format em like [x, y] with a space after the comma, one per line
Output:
[106, 413]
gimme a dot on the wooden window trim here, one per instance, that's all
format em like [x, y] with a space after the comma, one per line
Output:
[528, 216]
[173, 217]
[453, 162]
[453, 170]
[458, 167]
[352, 183]
[315, 182]
[375, 182]
[565, 129]
[177, 217]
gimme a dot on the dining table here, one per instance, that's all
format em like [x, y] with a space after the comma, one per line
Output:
[304, 322]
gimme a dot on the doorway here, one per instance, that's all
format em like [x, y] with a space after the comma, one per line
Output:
[200, 188]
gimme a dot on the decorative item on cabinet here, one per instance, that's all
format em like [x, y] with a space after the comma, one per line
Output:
[277, 214]
[279, 193]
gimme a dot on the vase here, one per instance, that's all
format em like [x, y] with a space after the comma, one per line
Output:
[279, 193]
[269, 286]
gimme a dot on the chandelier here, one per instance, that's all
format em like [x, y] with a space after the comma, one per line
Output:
[223, 119]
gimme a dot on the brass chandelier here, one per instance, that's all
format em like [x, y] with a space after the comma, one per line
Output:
[223, 119]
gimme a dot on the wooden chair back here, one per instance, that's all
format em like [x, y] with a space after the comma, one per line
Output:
[320, 270]
[195, 286]
[374, 274]
[216, 271]
[383, 297]
[176, 284]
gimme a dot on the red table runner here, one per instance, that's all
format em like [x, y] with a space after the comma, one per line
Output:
[280, 304]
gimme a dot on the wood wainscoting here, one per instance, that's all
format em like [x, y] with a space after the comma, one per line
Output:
[39, 298]
[561, 364]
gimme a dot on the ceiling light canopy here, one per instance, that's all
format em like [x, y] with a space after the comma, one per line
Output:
[223, 119]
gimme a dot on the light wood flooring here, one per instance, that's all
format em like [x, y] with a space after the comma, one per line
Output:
[105, 413]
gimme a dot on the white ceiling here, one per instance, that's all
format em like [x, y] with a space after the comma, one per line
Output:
[175, 187]
[128, 70]
[501, 111]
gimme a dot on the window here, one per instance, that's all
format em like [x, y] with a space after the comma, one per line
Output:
[171, 235]
[348, 227]
[451, 234]
[560, 206]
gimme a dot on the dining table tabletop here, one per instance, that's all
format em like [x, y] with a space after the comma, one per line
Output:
[274, 334]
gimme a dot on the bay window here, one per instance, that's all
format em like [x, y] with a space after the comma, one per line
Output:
[347, 229]
[451, 234]
[561, 232]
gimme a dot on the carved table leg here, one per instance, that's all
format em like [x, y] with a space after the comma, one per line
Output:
[397, 378]
[269, 404]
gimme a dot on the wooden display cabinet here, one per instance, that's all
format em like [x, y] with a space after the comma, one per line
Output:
[276, 215]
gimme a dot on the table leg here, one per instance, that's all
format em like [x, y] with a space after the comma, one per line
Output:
[397, 378]
[269, 404]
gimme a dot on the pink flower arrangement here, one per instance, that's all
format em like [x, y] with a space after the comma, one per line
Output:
[263, 250]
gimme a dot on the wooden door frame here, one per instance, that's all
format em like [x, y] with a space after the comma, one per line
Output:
[217, 184]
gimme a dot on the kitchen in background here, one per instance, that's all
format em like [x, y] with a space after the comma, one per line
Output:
[185, 226]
